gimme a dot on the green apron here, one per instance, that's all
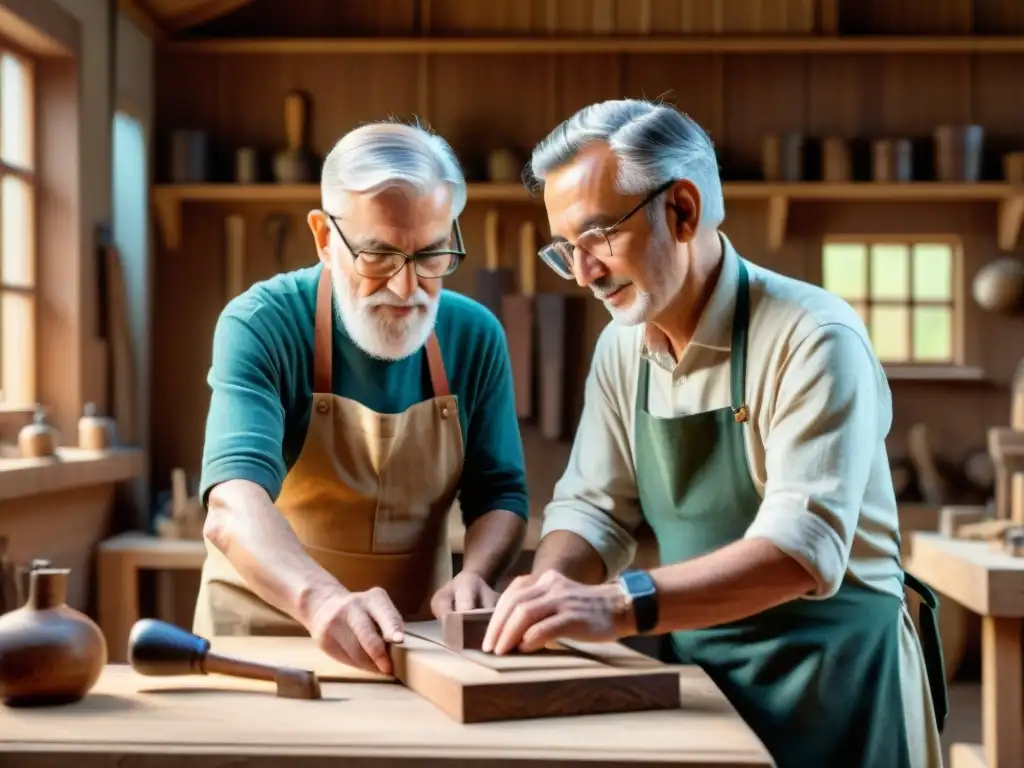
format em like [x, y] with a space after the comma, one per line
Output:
[817, 680]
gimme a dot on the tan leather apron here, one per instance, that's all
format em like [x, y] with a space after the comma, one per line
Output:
[369, 498]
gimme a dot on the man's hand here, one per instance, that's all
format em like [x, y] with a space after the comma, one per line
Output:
[537, 609]
[463, 593]
[355, 627]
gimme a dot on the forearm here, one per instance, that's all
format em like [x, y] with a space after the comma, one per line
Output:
[739, 580]
[570, 555]
[247, 528]
[492, 544]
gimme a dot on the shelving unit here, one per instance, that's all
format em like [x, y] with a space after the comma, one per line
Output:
[656, 44]
[169, 200]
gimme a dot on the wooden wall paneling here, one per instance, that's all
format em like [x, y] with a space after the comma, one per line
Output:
[907, 17]
[763, 95]
[317, 18]
[992, 79]
[688, 82]
[910, 100]
[486, 110]
[840, 96]
[583, 80]
[505, 17]
[998, 17]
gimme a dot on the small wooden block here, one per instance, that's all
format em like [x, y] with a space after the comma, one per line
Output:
[465, 630]
[297, 684]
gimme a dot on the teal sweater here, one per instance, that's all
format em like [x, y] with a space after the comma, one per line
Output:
[261, 379]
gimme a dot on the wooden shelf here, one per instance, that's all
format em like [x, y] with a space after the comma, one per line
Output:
[648, 44]
[71, 468]
[921, 373]
[168, 200]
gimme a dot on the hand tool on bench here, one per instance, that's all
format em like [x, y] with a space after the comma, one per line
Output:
[517, 314]
[157, 648]
[494, 280]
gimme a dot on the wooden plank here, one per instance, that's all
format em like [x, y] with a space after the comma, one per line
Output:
[469, 691]
[205, 723]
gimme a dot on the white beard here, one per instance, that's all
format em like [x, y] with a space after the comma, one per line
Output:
[645, 304]
[378, 335]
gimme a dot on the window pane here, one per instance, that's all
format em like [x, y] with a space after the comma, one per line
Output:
[16, 233]
[890, 271]
[890, 333]
[933, 272]
[17, 346]
[933, 334]
[15, 112]
[844, 270]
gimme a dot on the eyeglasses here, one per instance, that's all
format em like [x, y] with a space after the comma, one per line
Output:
[595, 242]
[431, 264]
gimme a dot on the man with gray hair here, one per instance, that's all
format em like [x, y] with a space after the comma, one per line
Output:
[352, 403]
[742, 415]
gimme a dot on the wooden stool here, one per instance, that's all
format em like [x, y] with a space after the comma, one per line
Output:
[119, 561]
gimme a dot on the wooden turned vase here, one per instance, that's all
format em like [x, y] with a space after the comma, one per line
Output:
[50, 653]
[38, 439]
[94, 431]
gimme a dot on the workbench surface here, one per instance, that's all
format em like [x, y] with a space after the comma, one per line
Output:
[131, 721]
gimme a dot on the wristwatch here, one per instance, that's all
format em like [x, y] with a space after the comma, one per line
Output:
[642, 594]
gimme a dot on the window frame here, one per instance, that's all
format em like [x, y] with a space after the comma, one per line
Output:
[19, 379]
[956, 302]
[67, 371]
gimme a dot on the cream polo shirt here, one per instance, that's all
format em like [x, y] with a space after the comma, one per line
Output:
[820, 409]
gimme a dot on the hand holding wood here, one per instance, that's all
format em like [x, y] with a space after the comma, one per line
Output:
[157, 648]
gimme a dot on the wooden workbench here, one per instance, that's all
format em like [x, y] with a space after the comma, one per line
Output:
[990, 584]
[131, 721]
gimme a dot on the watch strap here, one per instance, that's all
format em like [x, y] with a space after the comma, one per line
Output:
[642, 592]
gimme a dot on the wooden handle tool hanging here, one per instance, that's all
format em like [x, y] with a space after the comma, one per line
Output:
[493, 281]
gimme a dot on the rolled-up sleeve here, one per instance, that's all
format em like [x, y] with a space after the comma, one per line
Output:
[831, 410]
[596, 498]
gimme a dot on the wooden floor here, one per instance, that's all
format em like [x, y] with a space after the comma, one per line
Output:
[964, 722]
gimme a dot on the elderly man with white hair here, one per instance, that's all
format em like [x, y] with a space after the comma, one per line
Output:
[352, 403]
[742, 415]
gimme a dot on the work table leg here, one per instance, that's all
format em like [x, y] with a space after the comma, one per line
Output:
[1002, 691]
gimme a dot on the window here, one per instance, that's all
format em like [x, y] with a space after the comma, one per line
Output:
[905, 290]
[17, 233]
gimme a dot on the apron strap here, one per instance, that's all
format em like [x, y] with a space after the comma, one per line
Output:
[323, 334]
[438, 377]
[931, 648]
[323, 344]
[738, 356]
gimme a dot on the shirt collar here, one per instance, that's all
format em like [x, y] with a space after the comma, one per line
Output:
[714, 328]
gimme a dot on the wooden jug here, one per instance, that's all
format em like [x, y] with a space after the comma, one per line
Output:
[49, 653]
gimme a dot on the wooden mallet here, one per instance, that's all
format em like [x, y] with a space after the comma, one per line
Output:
[159, 649]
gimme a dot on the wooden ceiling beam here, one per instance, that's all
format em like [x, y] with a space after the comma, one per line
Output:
[142, 18]
[203, 13]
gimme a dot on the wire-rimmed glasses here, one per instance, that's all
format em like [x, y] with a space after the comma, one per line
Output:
[378, 264]
[595, 242]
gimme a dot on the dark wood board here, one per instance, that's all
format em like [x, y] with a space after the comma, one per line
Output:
[561, 328]
[517, 317]
[474, 687]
